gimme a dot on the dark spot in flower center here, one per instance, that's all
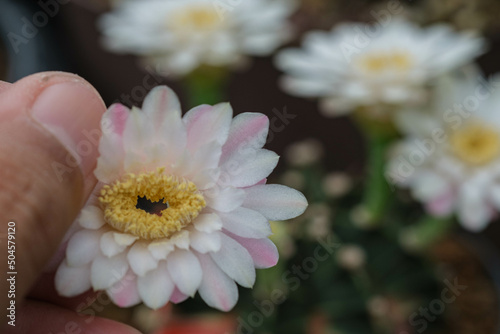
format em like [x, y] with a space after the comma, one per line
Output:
[154, 208]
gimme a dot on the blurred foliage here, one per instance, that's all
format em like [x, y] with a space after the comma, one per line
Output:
[346, 298]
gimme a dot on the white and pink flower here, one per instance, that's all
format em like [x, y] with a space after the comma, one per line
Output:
[450, 157]
[182, 206]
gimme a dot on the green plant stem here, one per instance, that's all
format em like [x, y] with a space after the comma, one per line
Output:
[206, 85]
[429, 230]
[377, 191]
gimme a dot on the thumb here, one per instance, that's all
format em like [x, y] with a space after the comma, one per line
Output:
[49, 132]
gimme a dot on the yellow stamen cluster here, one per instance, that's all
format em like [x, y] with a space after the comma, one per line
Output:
[475, 143]
[119, 202]
[199, 18]
[380, 62]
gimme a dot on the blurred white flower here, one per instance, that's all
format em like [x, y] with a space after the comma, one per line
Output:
[358, 65]
[337, 184]
[451, 158]
[351, 257]
[305, 152]
[177, 36]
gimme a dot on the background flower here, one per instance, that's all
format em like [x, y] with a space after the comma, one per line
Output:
[365, 66]
[451, 157]
[179, 36]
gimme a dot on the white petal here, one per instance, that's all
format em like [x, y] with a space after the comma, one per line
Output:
[91, 218]
[224, 199]
[140, 258]
[185, 271]
[216, 289]
[244, 170]
[205, 242]
[124, 239]
[495, 195]
[156, 287]
[125, 293]
[161, 248]
[275, 202]
[109, 246]
[207, 123]
[72, 281]
[173, 134]
[246, 223]
[106, 271]
[181, 239]
[235, 261]
[83, 247]
[473, 211]
[208, 222]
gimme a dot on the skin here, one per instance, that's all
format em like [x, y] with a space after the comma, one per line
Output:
[42, 203]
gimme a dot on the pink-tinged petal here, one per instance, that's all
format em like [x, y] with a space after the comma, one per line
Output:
[224, 199]
[112, 154]
[247, 169]
[442, 205]
[160, 101]
[263, 251]
[156, 287]
[275, 202]
[216, 289]
[91, 218]
[178, 297]
[235, 261]
[205, 242]
[106, 271]
[185, 271]
[246, 223]
[83, 247]
[125, 293]
[261, 182]
[140, 258]
[248, 131]
[208, 222]
[114, 119]
[72, 281]
[206, 124]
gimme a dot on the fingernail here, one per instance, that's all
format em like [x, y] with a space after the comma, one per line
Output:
[71, 111]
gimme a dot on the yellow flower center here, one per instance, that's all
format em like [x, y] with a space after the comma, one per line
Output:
[380, 62]
[198, 18]
[476, 143]
[181, 200]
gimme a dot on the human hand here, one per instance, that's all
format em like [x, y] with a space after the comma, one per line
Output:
[49, 132]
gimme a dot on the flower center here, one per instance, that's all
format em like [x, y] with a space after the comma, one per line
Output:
[151, 205]
[377, 63]
[476, 144]
[198, 18]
